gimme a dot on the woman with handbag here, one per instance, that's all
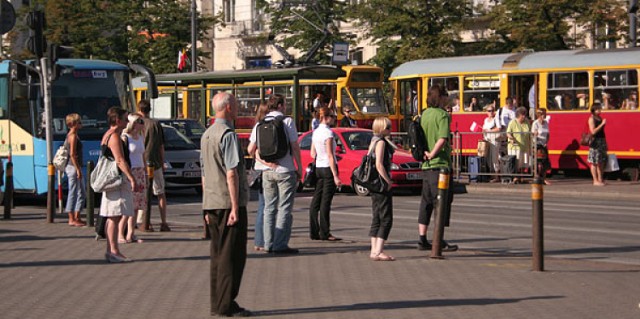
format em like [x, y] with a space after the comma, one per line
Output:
[382, 203]
[540, 131]
[117, 201]
[133, 136]
[323, 149]
[598, 146]
[76, 190]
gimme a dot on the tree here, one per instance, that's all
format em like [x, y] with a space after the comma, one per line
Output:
[544, 25]
[303, 24]
[406, 30]
[144, 32]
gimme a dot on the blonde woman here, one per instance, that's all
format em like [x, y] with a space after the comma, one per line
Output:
[382, 203]
[76, 194]
[133, 136]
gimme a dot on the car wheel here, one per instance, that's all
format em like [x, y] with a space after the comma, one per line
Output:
[360, 191]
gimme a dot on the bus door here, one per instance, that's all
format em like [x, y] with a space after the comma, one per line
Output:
[410, 102]
[524, 88]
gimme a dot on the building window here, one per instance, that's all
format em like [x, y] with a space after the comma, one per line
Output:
[229, 9]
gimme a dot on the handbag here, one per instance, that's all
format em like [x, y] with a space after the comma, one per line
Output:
[483, 148]
[586, 139]
[366, 175]
[106, 176]
[61, 158]
[612, 164]
[310, 177]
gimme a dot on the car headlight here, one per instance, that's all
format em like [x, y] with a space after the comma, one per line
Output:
[395, 166]
[167, 165]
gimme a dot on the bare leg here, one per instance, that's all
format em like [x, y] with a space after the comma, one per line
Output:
[121, 224]
[162, 204]
[112, 235]
[422, 229]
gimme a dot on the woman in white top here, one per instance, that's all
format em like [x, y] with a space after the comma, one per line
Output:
[540, 130]
[323, 149]
[134, 139]
[491, 129]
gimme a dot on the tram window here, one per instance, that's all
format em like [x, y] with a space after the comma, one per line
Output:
[287, 92]
[480, 91]
[346, 100]
[370, 100]
[452, 85]
[568, 91]
[248, 101]
[616, 90]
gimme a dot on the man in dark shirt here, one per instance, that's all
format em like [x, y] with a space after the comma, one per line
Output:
[154, 154]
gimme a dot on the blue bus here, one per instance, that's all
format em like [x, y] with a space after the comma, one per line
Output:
[86, 87]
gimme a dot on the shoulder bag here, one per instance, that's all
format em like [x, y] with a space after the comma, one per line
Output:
[61, 158]
[366, 174]
[106, 176]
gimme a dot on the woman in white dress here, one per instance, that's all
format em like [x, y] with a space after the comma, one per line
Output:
[491, 129]
[119, 201]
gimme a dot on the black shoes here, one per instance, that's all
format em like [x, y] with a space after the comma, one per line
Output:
[424, 245]
[445, 246]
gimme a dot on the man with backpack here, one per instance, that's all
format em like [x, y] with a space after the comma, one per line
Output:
[274, 140]
[435, 122]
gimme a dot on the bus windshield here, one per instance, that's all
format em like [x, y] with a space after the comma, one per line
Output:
[369, 100]
[90, 93]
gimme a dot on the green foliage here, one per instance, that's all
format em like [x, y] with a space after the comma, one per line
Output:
[297, 25]
[127, 31]
[407, 30]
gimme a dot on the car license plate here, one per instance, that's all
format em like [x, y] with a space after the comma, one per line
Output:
[414, 176]
[191, 174]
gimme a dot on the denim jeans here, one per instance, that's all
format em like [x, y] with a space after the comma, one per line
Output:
[279, 192]
[258, 239]
[76, 195]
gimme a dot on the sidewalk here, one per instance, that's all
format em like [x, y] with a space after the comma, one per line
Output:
[57, 271]
[561, 186]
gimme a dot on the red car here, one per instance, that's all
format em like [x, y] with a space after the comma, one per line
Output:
[352, 146]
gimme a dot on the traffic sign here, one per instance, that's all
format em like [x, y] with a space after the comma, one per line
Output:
[7, 18]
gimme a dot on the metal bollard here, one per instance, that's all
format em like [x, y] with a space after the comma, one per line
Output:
[537, 196]
[90, 195]
[8, 190]
[60, 207]
[51, 199]
[442, 206]
[146, 226]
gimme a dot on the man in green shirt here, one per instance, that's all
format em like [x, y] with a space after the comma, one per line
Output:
[435, 122]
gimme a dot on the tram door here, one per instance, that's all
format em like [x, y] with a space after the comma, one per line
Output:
[524, 88]
[409, 102]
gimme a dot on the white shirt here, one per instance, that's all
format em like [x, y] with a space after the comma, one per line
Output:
[319, 138]
[543, 131]
[136, 151]
[285, 164]
[489, 124]
[506, 115]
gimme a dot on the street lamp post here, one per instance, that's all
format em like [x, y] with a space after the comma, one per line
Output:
[194, 38]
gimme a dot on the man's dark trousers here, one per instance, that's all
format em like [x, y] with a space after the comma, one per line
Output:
[228, 257]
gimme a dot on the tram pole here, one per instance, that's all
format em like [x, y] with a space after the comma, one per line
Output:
[46, 93]
[194, 37]
[537, 196]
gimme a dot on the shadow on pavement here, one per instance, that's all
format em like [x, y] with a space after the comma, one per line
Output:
[401, 304]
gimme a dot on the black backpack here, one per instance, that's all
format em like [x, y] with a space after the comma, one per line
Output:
[417, 139]
[272, 140]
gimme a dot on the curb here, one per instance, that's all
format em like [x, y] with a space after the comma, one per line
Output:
[549, 190]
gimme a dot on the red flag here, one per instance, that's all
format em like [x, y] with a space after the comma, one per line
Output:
[182, 59]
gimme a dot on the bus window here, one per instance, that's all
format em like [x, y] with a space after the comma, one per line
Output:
[370, 100]
[451, 84]
[568, 91]
[480, 91]
[195, 101]
[616, 90]
[287, 92]
[4, 97]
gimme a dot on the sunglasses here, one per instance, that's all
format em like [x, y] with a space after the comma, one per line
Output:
[491, 111]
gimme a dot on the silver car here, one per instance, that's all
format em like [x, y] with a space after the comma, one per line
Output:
[182, 160]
